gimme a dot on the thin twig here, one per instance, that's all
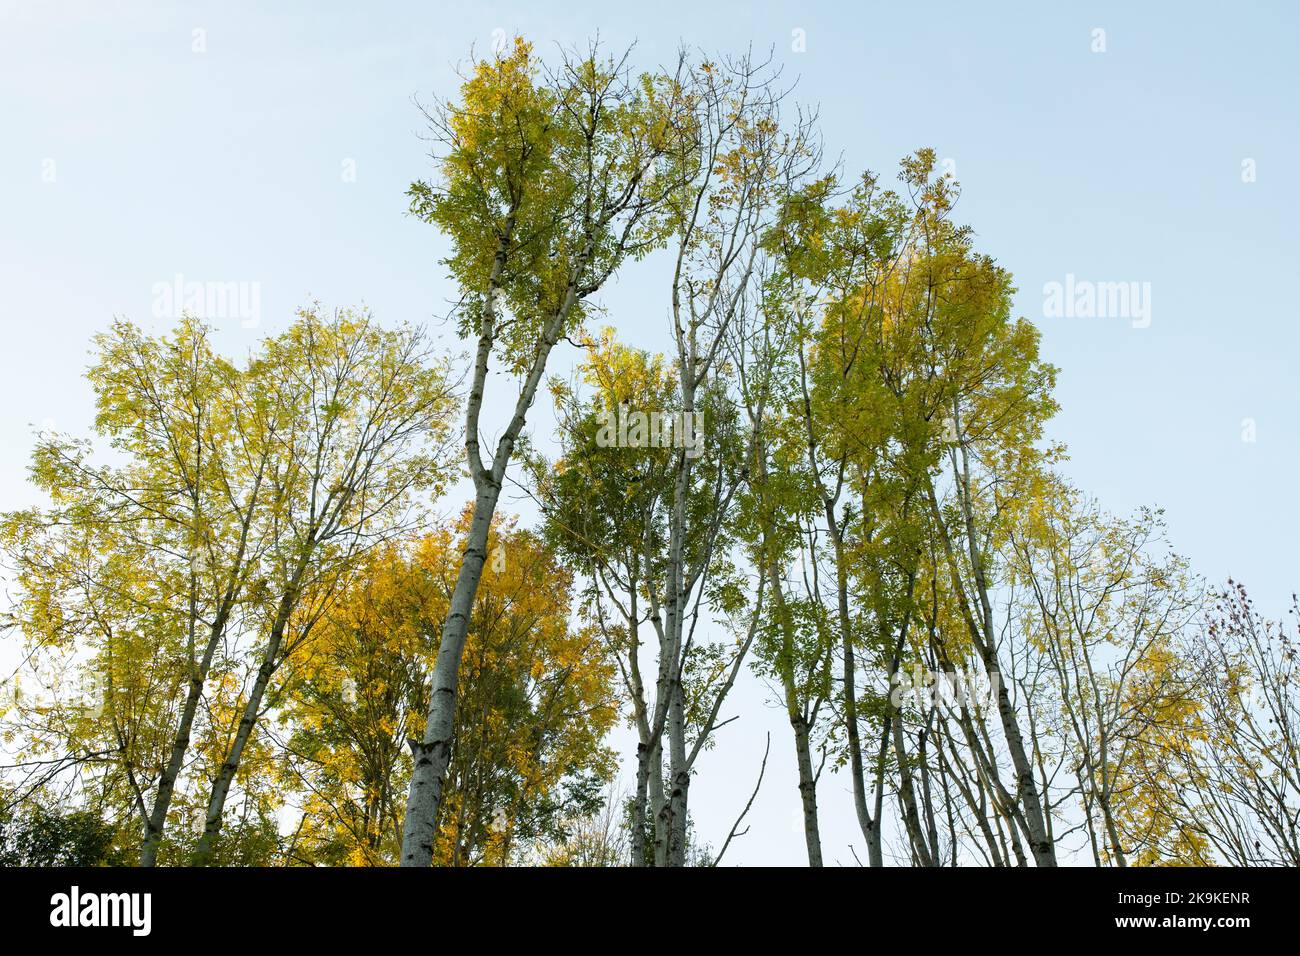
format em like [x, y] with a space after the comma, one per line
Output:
[743, 813]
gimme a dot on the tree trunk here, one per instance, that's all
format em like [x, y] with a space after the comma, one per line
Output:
[794, 710]
[985, 638]
[247, 721]
[640, 801]
[808, 793]
[680, 779]
[433, 753]
[907, 794]
[157, 821]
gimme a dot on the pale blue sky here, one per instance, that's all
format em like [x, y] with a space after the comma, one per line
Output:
[1125, 165]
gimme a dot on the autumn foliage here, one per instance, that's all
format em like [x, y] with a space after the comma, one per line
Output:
[247, 634]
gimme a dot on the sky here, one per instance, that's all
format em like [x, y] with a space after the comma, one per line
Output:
[266, 149]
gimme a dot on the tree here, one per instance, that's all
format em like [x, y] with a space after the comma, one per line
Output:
[187, 574]
[746, 159]
[536, 703]
[777, 524]
[1237, 793]
[143, 565]
[997, 394]
[548, 184]
[606, 501]
[1106, 614]
[235, 604]
[365, 415]
[41, 836]
[597, 840]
